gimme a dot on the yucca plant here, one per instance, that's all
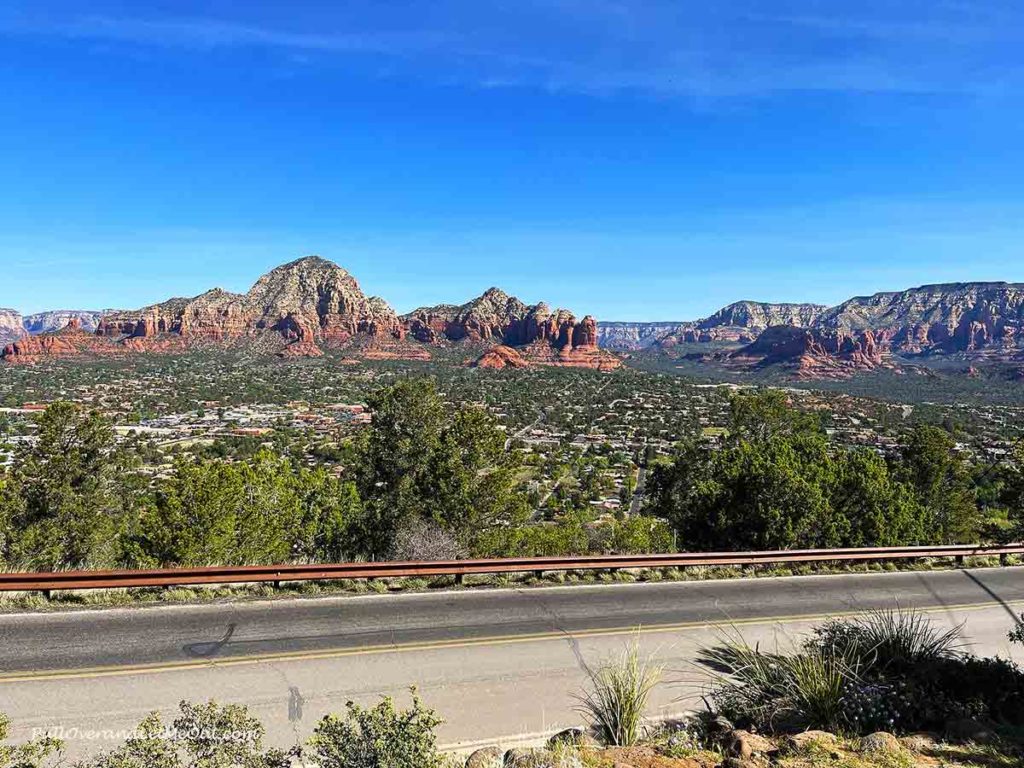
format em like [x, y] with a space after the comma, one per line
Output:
[617, 696]
[886, 639]
[770, 688]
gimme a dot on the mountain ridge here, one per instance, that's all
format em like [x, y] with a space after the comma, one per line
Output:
[304, 305]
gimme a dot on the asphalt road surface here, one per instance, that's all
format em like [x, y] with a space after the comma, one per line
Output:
[499, 665]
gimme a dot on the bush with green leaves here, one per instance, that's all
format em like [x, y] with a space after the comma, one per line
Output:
[888, 639]
[888, 670]
[382, 736]
[778, 691]
[209, 735]
[616, 697]
[38, 753]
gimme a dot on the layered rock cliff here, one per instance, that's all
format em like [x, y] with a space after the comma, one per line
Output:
[977, 321]
[56, 319]
[307, 302]
[812, 352]
[11, 327]
[972, 318]
[742, 321]
[626, 337]
[537, 334]
[69, 342]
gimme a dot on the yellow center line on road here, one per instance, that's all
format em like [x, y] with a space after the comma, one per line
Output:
[293, 656]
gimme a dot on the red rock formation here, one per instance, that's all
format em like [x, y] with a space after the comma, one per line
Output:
[539, 334]
[501, 357]
[70, 342]
[812, 353]
[310, 300]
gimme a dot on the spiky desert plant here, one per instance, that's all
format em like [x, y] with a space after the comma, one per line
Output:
[616, 698]
[768, 688]
[892, 638]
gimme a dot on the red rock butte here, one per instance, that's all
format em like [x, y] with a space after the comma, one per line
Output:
[307, 305]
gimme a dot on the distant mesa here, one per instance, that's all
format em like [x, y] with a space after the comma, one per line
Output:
[310, 305]
[302, 307]
[54, 320]
[11, 325]
[978, 321]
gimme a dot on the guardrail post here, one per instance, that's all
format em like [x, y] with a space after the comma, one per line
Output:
[46, 593]
[960, 561]
[460, 578]
[1004, 559]
[539, 575]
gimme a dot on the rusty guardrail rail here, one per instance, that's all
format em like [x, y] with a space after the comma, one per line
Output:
[45, 582]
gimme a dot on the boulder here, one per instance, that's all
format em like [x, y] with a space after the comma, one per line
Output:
[529, 758]
[918, 742]
[744, 745]
[801, 741]
[488, 757]
[880, 741]
[573, 737]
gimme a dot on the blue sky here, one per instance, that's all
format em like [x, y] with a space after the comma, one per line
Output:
[634, 160]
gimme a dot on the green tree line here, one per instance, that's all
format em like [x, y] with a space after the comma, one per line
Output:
[429, 479]
[776, 482]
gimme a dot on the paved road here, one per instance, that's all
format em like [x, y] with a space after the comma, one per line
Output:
[638, 492]
[495, 663]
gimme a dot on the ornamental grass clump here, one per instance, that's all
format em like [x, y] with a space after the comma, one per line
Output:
[888, 639]
[617, 696]
[887, 670]
[773, 690]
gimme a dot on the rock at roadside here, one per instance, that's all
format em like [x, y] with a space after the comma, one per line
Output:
[744, 745]
[488, 757]
[529, 758]
[880, 741]
[573, 737]
[798, 742]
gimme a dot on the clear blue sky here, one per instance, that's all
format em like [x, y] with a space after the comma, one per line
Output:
[634, 160]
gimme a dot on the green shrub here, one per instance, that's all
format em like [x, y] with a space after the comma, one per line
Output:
[617, 696]
[380, 737]
[886, 671]
[35, 754]
[771, 690]
[889, 639]
[209, 735]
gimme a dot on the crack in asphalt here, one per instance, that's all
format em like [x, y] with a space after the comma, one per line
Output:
[556, 624]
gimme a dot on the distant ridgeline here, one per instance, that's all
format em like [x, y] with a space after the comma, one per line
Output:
[305, 306]
[975, 322]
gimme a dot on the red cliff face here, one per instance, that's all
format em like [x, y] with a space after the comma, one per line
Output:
[813, 353]
[536, 333]
[69, 342]
[300, 308]
[308, 302]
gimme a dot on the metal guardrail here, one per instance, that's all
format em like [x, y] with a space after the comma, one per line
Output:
[45, 582]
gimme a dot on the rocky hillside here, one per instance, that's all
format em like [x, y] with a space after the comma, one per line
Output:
[974, 318]
[11, 326]
[54, 320]
[306, 302]
[302, 307]
[524, 334]
[742, 321]
[976, 321]
[626, 337]
[812, 352]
